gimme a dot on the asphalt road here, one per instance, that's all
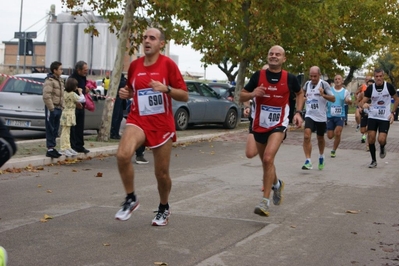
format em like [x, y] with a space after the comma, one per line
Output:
[346, 214]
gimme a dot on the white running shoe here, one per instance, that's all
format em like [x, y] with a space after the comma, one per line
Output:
[73, 152]
[128, 206]
[161, 218]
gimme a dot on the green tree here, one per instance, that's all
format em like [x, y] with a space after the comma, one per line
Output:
[325, 33]
[128, 19]
[239, 33]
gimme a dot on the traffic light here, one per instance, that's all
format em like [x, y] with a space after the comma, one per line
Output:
[28, 48]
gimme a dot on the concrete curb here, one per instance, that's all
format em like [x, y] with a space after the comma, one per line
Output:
[39, 160]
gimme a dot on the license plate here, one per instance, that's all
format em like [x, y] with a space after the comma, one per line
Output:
[17, 123]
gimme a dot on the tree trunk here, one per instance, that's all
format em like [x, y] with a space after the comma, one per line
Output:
[240, 80]
[124, 32]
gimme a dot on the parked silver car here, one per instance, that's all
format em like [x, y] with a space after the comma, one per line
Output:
[22, 106]
[205, 106]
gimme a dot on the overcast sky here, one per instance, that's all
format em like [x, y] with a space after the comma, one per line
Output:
[34, 19]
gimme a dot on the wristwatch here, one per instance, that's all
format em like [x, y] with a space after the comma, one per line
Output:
[298, 112]
[169, 89]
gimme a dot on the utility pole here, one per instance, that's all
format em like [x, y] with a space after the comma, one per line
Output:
[19, 43]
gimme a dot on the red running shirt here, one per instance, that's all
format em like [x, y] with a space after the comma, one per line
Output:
[272, 109]
[152, 110]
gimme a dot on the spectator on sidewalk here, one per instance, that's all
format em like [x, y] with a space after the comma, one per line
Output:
[117, 113]
[77, 131]
[68, 118]
[106, 82]
[53, 90]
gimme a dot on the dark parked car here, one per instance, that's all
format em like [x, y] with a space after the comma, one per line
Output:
[205, 106]
[22, 106]
[223, 89]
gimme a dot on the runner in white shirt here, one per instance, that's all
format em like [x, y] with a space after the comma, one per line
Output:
[317, 93]
[380, 113]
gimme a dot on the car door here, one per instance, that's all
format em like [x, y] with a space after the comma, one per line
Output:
[216, 107]
[196, 103]
[93, 119]
[21, 104]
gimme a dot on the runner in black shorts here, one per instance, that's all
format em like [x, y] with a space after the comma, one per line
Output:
[380, 113]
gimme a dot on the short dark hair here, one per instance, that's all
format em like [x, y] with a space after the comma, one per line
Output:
[71, 84]
[79, 65]
[378, 70]
[161, 35]
[54, 66]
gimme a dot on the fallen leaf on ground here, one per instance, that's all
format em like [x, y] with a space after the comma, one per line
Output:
[352, 212]
[39, 185]
[49, 191]
[387, 249]
[47, 217]
[160, 263]
[99, 174]
[106, 244]
[293, 226]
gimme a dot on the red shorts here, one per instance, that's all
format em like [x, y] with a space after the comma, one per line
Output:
[154, 139]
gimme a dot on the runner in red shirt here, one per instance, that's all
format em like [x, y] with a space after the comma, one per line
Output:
[270, 90]
[153, 80]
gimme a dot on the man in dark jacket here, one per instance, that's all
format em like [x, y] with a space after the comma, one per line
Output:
[117, 114]
[77, 138]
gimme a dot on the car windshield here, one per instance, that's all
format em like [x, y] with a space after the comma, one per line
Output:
[207, 91]
[220, 90]
[21, 86]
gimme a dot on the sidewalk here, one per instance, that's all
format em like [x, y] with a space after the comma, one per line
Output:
[33, 153]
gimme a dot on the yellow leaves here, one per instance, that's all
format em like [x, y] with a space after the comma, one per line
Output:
[45, 218]
[106, 244]
[28, 168]
[160, 263]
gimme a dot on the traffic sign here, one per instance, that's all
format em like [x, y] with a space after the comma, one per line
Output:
[31, 35]
[19, 35]
[23, 35]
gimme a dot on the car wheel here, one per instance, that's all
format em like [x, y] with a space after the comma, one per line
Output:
[181, 119]
[231, 119]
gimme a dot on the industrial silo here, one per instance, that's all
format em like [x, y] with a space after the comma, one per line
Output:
[84, 44]
[53, 43]
[65, 17]
[100, 47]
[85, 18]
[68, 45]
